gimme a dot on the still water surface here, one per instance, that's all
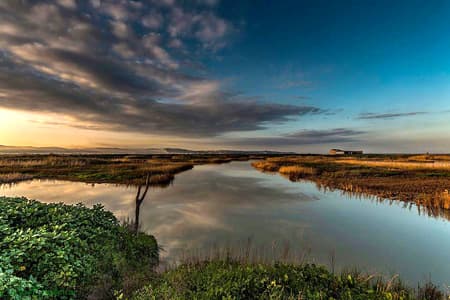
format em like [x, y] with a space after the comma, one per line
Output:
[229, 203]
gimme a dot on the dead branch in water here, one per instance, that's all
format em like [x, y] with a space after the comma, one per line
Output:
[139, 199]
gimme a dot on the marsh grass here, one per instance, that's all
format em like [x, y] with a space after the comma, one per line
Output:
[118, 169]
[14, 177]
[297, 171]
[403, 165]
[244, 252]
[420, 179]
[266, 166]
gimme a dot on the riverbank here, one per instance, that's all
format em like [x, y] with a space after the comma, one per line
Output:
[423, 180]
[116, 169]
[57, 251]
[228, 279]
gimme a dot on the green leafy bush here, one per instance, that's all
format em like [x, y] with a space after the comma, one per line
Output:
[15, 287]
[235, 280]
[62, 251]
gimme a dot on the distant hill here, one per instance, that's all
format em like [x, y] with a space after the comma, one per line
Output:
[106, 150]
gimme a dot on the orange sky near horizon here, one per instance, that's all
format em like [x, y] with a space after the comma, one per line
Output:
[36, 129]
[19, 128]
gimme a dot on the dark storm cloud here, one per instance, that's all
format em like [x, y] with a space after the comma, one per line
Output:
[305, 137]
[368, 116]
[34, 91]
[121, 65]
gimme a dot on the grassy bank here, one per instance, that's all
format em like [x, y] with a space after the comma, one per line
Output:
[423, 180]
[236, 280]
[56, 251]
[119, 169]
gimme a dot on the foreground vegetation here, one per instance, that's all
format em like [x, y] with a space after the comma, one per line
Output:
[56, 251]
[229, 279]
[420, 179]
[120, 169]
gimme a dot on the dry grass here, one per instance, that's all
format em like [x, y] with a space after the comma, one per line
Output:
[266, 166]
[118, 169]
[442, 165]
[13, 177]
[168, 167]
[41, 161]
[418, 179]
[297, 171]
[428, 157]
[24, 163]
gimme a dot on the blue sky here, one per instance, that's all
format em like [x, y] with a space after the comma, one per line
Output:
[283, 75]
[357, 55]
[350, 57]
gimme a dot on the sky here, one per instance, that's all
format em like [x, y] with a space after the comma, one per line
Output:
[300, 76]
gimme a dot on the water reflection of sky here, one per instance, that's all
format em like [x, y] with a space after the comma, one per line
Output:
[224, 204]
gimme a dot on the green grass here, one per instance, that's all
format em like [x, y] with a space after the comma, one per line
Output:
[236, 280]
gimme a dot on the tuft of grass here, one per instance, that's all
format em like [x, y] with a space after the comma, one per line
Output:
[297, 171]
[266, 166]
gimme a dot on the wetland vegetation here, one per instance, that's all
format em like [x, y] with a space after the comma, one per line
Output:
[420, 179]
[57, 251]
[117, 169]
[231, 279]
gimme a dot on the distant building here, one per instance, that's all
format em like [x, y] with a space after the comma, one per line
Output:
[344, 152]
[336, 152]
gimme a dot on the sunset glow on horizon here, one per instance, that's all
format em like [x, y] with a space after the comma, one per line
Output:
[300, 76]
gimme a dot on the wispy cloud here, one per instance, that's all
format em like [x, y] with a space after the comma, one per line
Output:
[302, 97]
[325, 134]
[304, 137]
[367, 116]
[296, 83]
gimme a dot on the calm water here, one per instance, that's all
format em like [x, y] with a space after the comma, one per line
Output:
[226, 204]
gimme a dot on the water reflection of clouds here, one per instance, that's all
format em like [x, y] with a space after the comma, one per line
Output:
[212, 207]
[118, 199]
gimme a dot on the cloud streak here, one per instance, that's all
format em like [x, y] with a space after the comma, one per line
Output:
[305, 137]
[124, 66]
[368, 116]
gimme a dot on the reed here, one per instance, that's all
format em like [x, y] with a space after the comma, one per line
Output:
[297, 172]
[245, 252]
[422, 180]
[443, 165]
[13, 177]
[117, 169]
[266, 166]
